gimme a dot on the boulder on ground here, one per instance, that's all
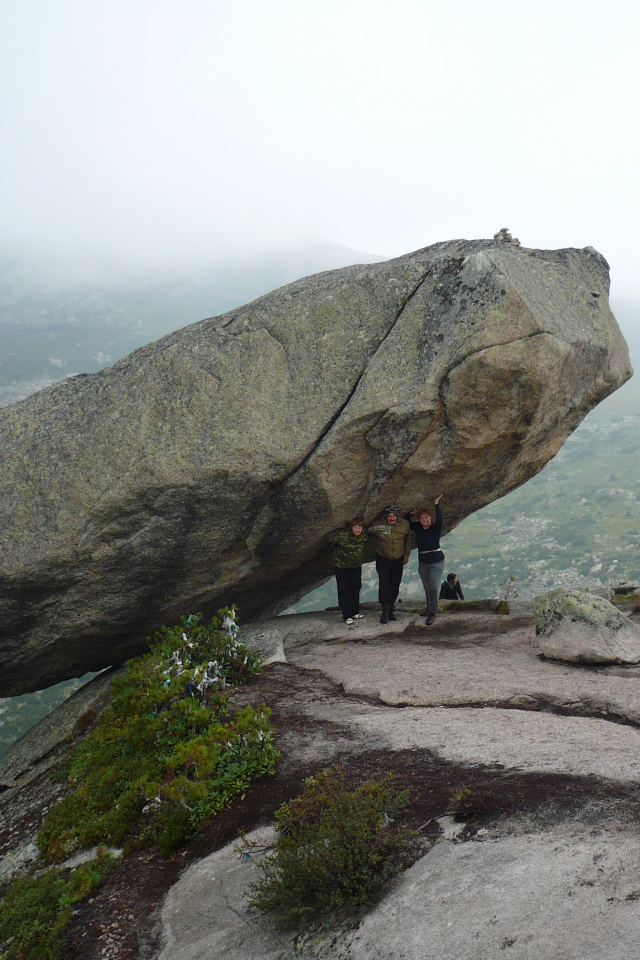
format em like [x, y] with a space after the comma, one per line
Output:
[208, 467]
[626, 596]
[584, 628]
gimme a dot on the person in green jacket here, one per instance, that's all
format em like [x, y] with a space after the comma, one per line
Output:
[348, 549]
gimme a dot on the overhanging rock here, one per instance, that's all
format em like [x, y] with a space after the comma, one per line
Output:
[206, 468]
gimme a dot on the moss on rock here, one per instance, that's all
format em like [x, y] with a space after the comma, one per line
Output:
[550, 608]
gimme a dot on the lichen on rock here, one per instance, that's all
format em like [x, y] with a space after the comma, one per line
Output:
[581, 627]
[550, 608]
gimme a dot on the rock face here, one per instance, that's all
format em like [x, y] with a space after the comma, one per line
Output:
[206, 468]
[580, 627]
[456, 901]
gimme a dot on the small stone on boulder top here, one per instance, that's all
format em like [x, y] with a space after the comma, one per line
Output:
[583, 628]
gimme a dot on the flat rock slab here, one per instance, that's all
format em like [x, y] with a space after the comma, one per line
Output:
[525, 888]
[506, 739]
[563, 893]
[479, 659]
[569, 891]
[270, 637]
[207, 913]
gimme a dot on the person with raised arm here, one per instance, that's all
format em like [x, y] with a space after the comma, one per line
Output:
[427, 530]
[393, 546]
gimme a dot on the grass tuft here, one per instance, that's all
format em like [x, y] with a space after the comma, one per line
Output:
[462, 804]
[36, 910]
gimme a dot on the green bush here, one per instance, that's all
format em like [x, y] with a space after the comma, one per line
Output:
[335, 850]
[461, 804]
[36, 910]
[165, 755]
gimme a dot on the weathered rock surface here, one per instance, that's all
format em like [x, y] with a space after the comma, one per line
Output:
[580, 627]
[39, 747]
[269, 638]
[207, 468]
[461, 661]
[551, 873]
[524, 887]
[516, 891]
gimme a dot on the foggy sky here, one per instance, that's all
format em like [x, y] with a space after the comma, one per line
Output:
[177, 131]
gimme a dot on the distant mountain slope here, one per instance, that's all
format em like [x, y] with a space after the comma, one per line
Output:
[51, 328]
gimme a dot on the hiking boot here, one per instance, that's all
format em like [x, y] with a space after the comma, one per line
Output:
[392, 616]
[385, 613]
[430, 619]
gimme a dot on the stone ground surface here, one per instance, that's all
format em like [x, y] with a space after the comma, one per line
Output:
[547, 867]
[473, 692]
[493, 661]
[569, 891]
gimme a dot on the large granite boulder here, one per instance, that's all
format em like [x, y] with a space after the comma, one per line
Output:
[580, 627]
[207, 467]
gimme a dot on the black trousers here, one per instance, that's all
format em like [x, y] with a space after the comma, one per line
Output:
[349, 580]
[389, 578]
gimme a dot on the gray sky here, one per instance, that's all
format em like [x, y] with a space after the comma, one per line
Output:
[178, 130]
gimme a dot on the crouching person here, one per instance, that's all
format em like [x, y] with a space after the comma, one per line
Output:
[451, 588]
[348, 548]
[393, 547]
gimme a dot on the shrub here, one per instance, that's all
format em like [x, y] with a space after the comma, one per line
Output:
[165, 755]
[461, 804]
[36, 910]
[335, 850]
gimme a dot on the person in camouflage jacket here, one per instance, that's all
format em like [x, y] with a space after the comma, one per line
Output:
[392, 538]
[348, 552]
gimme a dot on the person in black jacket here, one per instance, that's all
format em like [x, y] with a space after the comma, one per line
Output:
[451, 589]
[427, 532]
